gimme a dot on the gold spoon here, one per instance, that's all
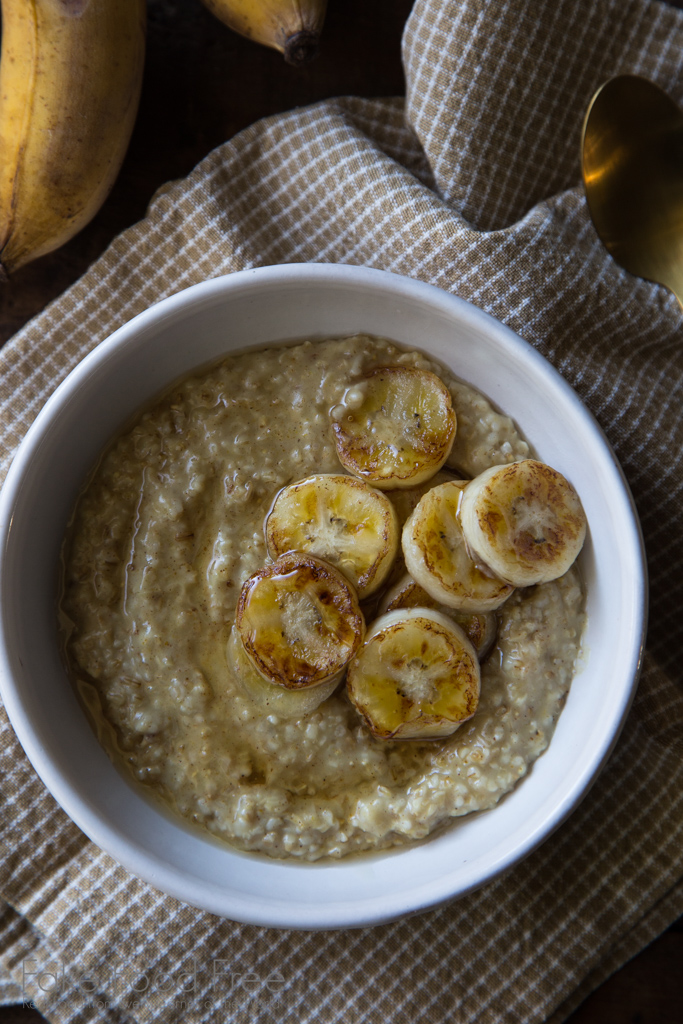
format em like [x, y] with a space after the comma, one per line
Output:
[632, 157]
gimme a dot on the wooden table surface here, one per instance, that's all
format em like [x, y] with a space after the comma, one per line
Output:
[203, 84]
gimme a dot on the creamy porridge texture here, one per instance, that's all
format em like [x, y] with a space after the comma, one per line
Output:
[164, 535]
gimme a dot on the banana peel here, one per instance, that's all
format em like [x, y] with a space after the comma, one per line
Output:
[70, 80]
[291, 26]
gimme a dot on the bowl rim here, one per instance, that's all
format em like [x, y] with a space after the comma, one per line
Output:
[92, 820]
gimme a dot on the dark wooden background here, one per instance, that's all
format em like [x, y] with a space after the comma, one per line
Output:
[202, 85]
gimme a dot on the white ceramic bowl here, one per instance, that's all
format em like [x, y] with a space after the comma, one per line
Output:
[250, 309]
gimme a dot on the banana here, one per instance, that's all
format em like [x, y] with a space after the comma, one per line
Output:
[291, 26]
[299, 621]
[70, 77]
[437, 557]
[269, 698]
[395, 427]
[405, 500]
[480, 628]
[524, 521]
[415, 677]
[341, 520]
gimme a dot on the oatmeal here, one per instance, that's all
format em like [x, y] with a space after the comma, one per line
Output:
[165, 533]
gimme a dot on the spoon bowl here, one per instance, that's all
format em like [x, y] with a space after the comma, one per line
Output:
[632, 160]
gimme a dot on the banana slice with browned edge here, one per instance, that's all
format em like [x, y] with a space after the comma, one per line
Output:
[437, 557]
[269, 698]
[405, 500]
[299, 621]
[395, 427]
[341, 520]
[480, 628]
[415, 677]
[525, 521]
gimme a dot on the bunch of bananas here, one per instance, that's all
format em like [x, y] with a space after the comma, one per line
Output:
[70, 79]
[334, 541]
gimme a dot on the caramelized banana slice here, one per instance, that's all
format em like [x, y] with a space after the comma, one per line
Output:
[269, 698]
[416, 676]
[405, 501]
[342, 520]
[395, 427]
[480, 628]
[437, 557]
[524, 521]
[299, 621]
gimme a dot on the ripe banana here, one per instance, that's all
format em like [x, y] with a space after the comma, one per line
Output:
[479, 627]
[415, 677]
[291, 26]
[269, 698]
[70, 77]
[437, 557]
[299, 621]
[395, 427]
[341, 520]
[524, 521]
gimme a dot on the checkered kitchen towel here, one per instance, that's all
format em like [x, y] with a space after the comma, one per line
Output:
[471, 184]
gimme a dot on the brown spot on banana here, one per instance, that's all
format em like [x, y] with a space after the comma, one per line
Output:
[74, 8]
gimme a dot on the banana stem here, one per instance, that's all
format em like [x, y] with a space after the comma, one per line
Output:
[302, 47]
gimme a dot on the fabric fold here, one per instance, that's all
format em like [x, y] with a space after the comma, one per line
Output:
[497, 91]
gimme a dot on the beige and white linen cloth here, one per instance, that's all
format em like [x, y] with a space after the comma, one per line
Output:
[471, 184]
